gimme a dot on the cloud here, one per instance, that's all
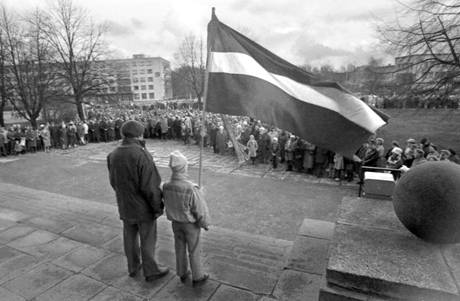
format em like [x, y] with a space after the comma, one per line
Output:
[117, 29]
[137, 23]
[311, 50]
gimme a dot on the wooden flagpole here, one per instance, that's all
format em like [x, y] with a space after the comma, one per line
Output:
[205, 96]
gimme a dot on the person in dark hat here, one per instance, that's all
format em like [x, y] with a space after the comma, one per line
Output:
[136, 181]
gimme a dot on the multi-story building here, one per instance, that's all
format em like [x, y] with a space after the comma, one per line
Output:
[141, 79]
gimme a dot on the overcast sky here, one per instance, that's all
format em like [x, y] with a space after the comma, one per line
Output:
[337, 32]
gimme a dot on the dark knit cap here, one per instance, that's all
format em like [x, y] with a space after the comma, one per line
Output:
[132, 129]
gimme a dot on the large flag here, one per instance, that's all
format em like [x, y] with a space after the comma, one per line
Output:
[246, 79]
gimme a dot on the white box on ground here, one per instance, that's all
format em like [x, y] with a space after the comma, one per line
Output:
[378, 183]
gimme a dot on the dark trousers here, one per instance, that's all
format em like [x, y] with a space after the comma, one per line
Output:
[146, 232]
[275, 161]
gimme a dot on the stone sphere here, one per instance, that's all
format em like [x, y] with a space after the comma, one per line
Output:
[427, 201]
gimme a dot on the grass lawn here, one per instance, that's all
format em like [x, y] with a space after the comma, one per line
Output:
[441, 126]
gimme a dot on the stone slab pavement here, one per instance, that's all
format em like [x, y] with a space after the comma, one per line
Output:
[55, 247]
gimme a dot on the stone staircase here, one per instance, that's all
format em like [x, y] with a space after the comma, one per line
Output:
[85, 237]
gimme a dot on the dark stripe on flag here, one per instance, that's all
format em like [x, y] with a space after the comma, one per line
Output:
[228, 40]
[246, 95]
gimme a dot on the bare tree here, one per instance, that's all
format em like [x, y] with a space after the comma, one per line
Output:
[29, 75]
[3, 87]
[426, 34]
[79, 47]
[191, 60]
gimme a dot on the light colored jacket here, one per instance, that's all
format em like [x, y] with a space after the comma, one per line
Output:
[184, 202]
[252, 148]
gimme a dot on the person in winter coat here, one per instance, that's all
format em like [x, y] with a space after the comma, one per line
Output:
[252, 146]
[186, 208]
[275, 152]
[136, 181]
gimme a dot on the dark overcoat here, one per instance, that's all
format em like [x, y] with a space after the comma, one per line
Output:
[136, 181]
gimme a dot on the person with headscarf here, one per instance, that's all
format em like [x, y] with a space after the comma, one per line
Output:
[186, 208]
[252, 146]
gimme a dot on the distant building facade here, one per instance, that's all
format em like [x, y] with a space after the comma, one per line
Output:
[141, 79]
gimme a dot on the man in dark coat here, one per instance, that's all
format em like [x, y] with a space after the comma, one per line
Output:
[136, 181]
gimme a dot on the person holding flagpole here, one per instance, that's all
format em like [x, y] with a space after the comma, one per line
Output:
[186, 208]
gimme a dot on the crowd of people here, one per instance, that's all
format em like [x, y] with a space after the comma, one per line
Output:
[260, 143]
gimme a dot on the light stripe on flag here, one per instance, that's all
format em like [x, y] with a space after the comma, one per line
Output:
[350, 107]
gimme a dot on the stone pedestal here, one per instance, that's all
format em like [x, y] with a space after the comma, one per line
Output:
[373, 257]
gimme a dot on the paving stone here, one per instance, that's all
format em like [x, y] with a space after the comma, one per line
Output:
[225, 293]
[369, 213]
[115, 245]
[48, 224]
[5, 224]
[138, 286]
[452, 255]
[317, 228]
[166, 256]
[6, 253]
[309, 255]
[33, 240]
[93, 234]
[389, 263]
[37, 281]
[12, 215]
[294, 285]
[15, 232]
[176, 291]
[113, 294]
[109, 269]
[75, 288]
[9, 296]
[253, 280]
[80, 258]
[53, 249]
[16, 266]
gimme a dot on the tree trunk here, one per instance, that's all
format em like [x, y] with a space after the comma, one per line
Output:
[2, 107]
[33, 122]
[200, 104]
[81, 113]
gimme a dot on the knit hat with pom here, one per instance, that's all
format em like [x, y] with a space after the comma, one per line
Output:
[178, 162]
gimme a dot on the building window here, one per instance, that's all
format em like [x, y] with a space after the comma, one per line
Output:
[143, 87]
[144, 95]
[135, 80]
[150, 87]
[134, 72]
[136, 96]
[113, 89]
[142, 71]
[150, 79]
[149, 71]
[136, 87]
[142, 79]
[157, 74]
[152, 95]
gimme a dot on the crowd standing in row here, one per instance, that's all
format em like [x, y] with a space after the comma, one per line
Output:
[262, 143]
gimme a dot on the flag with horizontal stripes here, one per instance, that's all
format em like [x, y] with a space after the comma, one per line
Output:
[246, 79]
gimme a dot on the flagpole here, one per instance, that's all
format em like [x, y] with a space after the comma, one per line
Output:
[205, 96]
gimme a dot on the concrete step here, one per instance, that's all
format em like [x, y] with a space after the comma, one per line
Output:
[240, 259]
